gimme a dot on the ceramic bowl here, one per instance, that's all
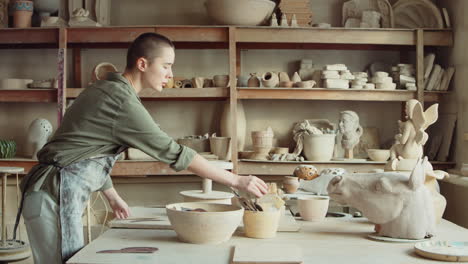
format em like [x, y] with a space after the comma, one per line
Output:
[101, 70]
[244, 12]
[214, 226]
[378, 154]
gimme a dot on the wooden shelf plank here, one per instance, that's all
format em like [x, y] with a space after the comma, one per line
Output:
[128, 34]
[287, 168]
[20, 36]
[334, 94]
[172, 94]
[28, 95]
[342, 36]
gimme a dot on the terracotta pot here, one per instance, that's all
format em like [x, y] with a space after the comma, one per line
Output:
[22, 13]
[290, 184]
[226, 124]
[319, 147]
[259, 224]
[242, 81]
[221, 147]
[253, 81]
[262, 141]
[270, 79]
[313, 208]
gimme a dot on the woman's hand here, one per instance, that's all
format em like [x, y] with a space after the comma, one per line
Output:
[251, 184]
[118, 205]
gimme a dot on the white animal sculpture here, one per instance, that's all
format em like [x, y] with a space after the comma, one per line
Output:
[38, 135]
[401, 207]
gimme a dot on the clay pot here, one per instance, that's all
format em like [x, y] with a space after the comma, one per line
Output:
[221, 80]
[286, 84]
[284, 77]
[262, 141]
[306, 172]
[378, 154]
[197, 82]
[319, 147]
[46, 7]
[305, 84]
[212, 227]
[221, 147]
[270, 79]
[260, 224]
[253, 80]
[313, 208]
[242, 81]
[290, 184]
[22, 13]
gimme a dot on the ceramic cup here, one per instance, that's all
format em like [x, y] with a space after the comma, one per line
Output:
[260, 224]
[290, 184]
[313, 208]
[221, 147]
[22, 13]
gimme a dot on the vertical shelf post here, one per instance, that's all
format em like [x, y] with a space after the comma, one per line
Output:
[62, 74]
[233, 94]
[77, 68]
[420, 65]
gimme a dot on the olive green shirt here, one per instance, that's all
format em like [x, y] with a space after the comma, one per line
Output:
[106, 116]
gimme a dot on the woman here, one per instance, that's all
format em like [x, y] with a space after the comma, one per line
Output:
[103, 121]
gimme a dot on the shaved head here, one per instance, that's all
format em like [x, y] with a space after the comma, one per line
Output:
[148, 46]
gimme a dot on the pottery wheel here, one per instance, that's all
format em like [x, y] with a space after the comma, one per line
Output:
[213, 195]
[14, 250]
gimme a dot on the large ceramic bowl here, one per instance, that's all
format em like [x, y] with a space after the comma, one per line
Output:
[214, 226]
[239, 12]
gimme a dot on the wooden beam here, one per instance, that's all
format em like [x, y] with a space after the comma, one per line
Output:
[29, 36]
[28, 96]
[77, 67]
[420, 65]
[172, 93]
[233, 95]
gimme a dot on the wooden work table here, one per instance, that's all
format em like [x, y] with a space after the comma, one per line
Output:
[330, 241]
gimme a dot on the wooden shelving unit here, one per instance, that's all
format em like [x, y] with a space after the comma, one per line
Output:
[233, 39]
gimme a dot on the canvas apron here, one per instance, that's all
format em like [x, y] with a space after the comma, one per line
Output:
[56, 232]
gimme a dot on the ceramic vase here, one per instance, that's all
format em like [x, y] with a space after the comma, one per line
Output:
[226, 124]
[262, 141]
[319, 147]
[270, 79]
[22, 13]
[253, 81]
[290, 184]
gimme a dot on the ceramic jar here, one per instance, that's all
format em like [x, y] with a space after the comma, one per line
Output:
[22, 13]
[221, 147]
[253, 80]
[290, 184]
[270, 79]
[262, 141]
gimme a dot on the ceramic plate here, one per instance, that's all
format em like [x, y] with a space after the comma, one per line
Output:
[443, 250]
[374, 236]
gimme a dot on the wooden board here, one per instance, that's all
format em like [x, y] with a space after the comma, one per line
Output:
[267, 254]
[157, 219]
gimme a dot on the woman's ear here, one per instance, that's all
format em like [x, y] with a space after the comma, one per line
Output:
[142, 64]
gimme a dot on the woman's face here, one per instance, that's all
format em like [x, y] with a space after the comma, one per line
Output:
[347, 124]
[158, 72]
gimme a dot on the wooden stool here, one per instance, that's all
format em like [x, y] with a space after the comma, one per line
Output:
[10, 250]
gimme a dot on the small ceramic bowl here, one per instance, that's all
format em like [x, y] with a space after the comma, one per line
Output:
[378, 154]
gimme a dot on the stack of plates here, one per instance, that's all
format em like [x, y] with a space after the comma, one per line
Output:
[7, 149]
[417, 14]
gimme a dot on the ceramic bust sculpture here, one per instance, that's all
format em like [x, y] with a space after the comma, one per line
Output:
[38, 134]
[412, 136]
[351, 130]
[401, 207]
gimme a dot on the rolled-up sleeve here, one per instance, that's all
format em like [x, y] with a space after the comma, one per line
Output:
[134, 127]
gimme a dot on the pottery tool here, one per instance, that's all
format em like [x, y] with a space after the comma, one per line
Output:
[247, 203]
[131, 250]
[268, 254]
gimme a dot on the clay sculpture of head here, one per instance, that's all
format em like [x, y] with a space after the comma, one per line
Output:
[38, 135]
[402, 207]
[351, 130]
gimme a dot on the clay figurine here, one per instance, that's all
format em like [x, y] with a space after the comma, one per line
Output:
[351, 130]
[401, 207]
[38, 135]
